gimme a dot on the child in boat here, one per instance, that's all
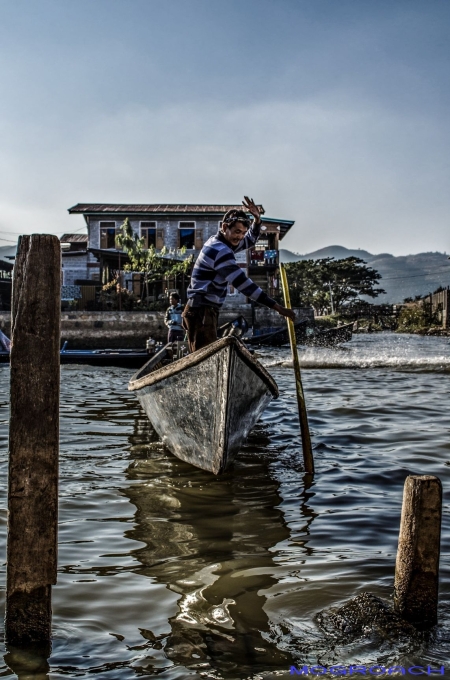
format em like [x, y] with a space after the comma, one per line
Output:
[173, 319]
[215, 268]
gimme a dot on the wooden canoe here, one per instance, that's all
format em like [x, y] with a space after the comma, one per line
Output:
[330, 337]
[279, 337]
[305, 335]
[126, 358]
[204, 405]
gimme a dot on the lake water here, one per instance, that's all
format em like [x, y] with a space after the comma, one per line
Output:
[168, 571]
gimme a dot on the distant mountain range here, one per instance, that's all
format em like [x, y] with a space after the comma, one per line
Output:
[403, 276]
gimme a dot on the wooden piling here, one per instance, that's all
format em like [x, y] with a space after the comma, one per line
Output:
[33, 440]
[417, 565]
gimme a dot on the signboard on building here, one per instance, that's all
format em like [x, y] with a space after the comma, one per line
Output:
[241, 257]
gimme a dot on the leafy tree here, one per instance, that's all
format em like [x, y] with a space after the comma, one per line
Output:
[305, 283]
[350, 279]
[331, 283]
[113, 296]
[154, 266]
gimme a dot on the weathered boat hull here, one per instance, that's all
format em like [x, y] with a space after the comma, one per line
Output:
[204, 405]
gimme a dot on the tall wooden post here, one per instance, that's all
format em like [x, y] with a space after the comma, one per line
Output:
[417, 565]
[33, 440]
[120, 285]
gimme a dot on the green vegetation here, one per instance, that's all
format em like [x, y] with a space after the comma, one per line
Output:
[330, 321]
[330, 284]
[113, 296]
[420, 317]
[412, 319]
[154, 266]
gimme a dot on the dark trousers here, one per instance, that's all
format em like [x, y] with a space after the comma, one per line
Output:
[201, 326]
[175, 336]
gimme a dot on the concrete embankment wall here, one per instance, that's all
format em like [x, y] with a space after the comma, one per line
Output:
[95, 330]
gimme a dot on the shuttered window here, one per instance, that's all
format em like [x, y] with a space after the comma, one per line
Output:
[148, 232]
[108, 234]
[159, 239]
[198, 239]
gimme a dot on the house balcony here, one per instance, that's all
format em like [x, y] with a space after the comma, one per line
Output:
[263, 258]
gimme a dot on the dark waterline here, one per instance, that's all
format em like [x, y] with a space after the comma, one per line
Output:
[167, 570]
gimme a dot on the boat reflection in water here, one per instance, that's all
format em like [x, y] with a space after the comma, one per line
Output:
[210, 540]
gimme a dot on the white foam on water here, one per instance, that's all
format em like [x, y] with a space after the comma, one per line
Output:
[383, 350]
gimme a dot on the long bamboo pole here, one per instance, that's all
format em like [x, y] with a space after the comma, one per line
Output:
[302, 414]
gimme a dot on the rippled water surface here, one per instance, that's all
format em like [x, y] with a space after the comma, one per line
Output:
[166, 570]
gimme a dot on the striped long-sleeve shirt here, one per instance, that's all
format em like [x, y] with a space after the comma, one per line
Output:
[216, 266]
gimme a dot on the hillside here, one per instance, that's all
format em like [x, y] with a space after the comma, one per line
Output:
[403, 276]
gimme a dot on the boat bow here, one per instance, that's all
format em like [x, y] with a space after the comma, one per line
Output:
[204, 405]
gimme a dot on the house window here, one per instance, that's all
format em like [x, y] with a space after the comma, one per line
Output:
[148, 231]
[186, 235]
[108, 233]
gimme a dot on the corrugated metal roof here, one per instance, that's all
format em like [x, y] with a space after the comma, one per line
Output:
[126, 209]
[151, 208]
[74, 238]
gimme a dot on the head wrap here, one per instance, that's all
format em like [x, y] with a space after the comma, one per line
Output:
[234, 215]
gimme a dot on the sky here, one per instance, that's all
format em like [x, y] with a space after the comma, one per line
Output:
[332, 113]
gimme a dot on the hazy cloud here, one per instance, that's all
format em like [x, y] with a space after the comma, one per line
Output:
[336, 118]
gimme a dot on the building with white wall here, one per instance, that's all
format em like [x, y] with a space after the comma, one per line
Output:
[174, 226]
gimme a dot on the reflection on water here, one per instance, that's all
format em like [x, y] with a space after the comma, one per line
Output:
[167, 570]
[210, 539]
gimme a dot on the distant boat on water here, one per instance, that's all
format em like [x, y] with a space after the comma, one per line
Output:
[128, 358]
[305, 335]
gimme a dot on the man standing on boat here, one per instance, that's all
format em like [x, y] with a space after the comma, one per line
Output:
[215, 268]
